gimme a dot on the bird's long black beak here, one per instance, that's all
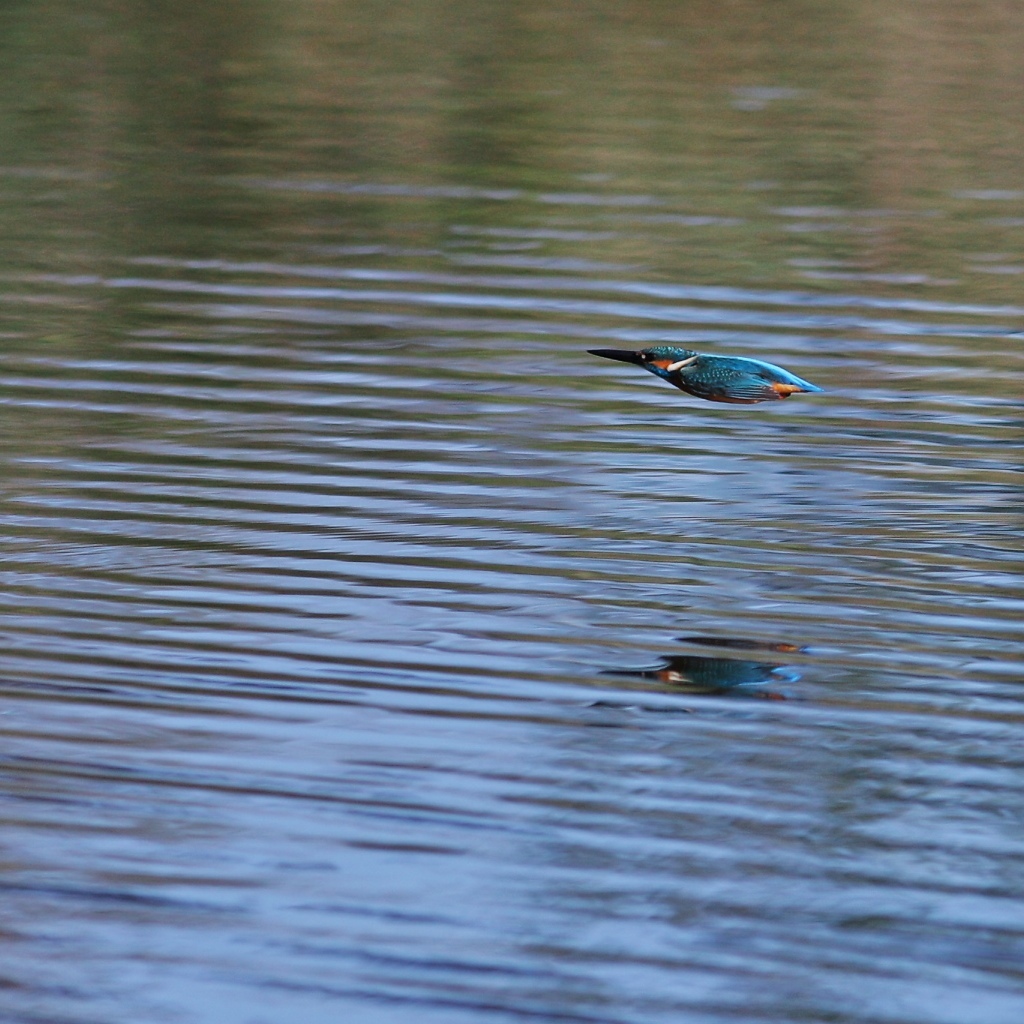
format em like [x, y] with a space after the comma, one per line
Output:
[623, 355]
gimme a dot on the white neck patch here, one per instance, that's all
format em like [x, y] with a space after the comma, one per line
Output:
[672, 367]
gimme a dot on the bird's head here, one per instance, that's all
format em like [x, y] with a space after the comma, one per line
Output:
[663, 360]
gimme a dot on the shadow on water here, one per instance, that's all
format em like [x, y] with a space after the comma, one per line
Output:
[705, 675]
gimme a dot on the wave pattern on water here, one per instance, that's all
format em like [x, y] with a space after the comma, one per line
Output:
[459, 615]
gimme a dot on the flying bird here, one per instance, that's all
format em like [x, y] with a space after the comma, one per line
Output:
[715, 378]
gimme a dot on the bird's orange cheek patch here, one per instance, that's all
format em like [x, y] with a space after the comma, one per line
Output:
[673, 365]
[785, 390]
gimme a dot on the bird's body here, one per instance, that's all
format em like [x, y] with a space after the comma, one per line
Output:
[715, 378]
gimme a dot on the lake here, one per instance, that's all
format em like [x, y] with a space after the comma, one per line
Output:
[374, 653]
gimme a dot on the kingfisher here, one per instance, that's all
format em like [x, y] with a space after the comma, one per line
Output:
[715, 378]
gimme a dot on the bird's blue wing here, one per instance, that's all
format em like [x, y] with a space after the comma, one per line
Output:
[739, 380]
[727, 385]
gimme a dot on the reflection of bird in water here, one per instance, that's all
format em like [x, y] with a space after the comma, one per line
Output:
[701, 674]
[695, 673]
[709, 674]
[716, 378]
